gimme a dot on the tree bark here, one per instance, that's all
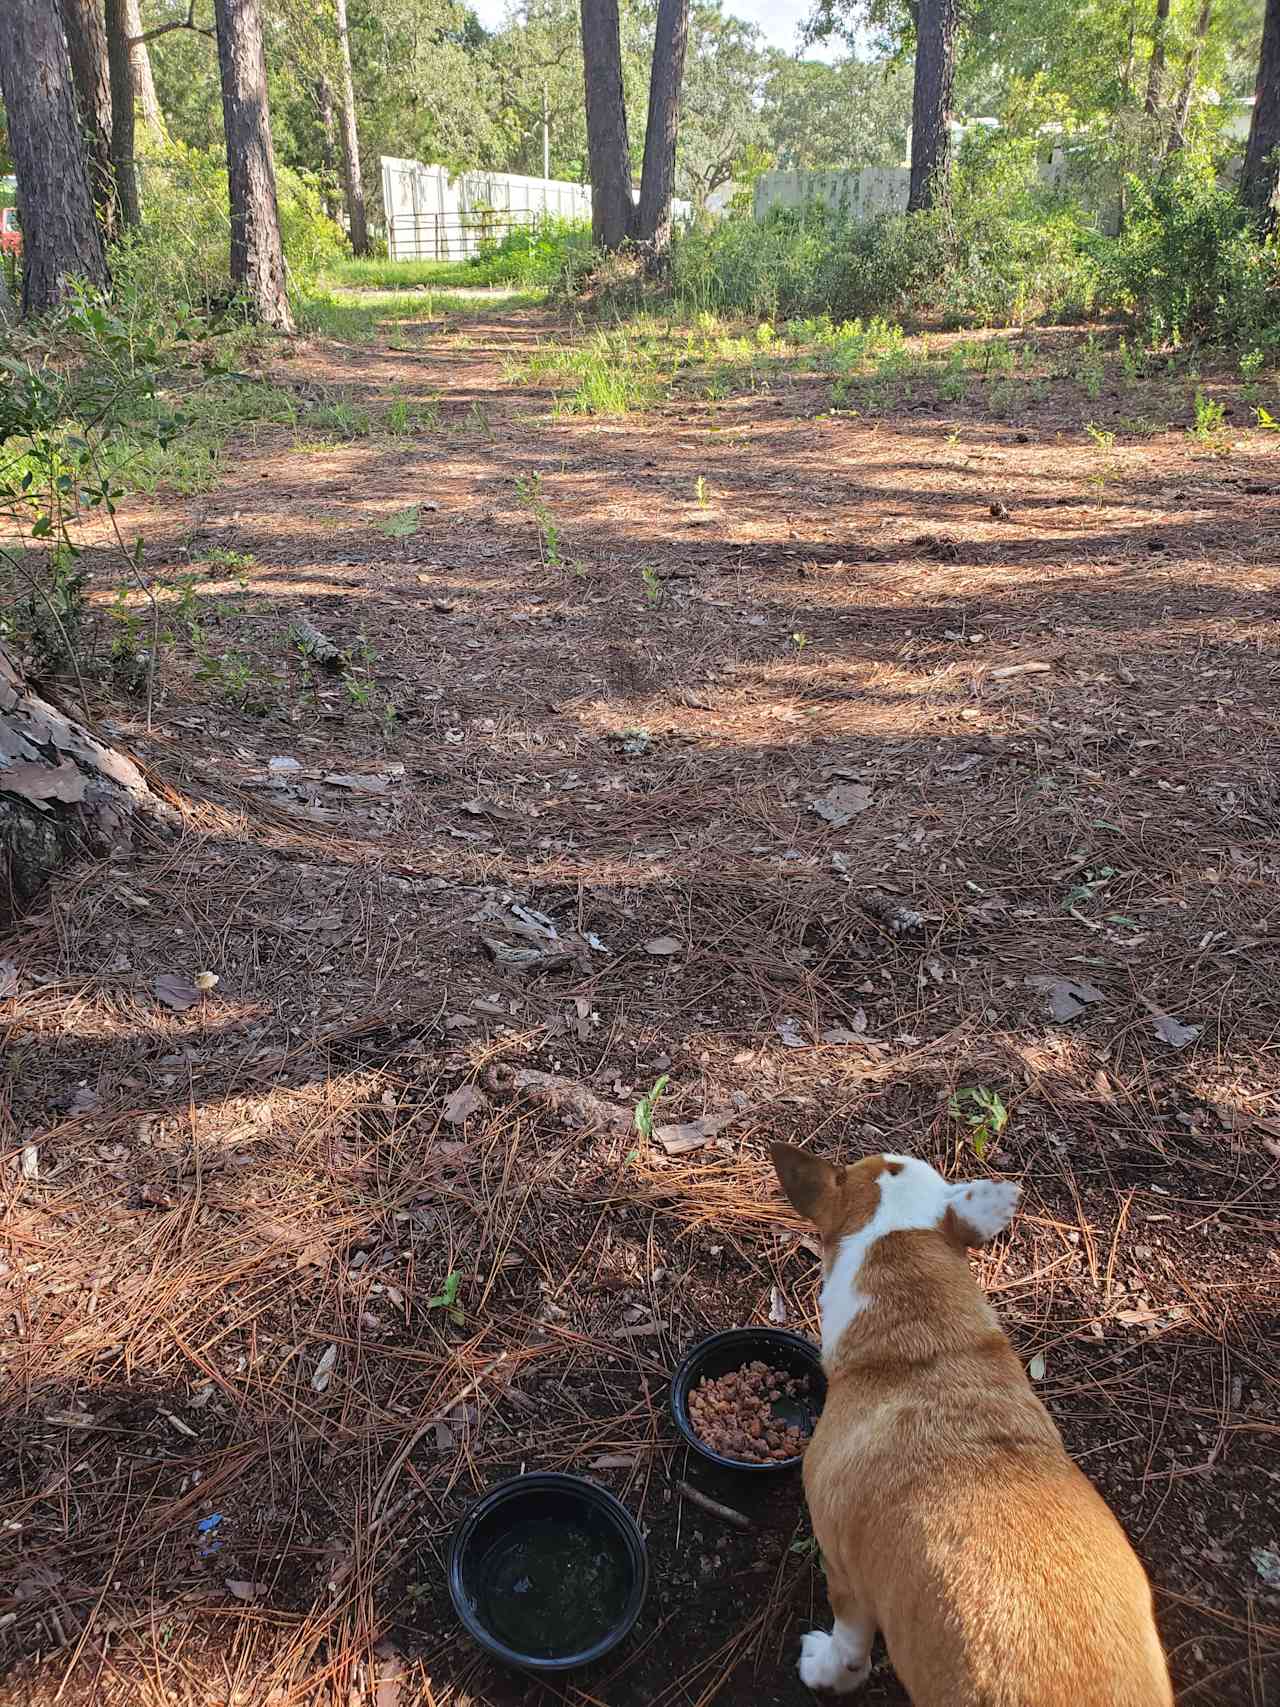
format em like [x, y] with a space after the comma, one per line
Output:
[657, 182]
[1182, 106]
[608, 151]
[257, 255]
[87, 47]
[352, 184]
[1155, 66]
[144, 84]
[328, 144]
[60, 236]
[931, 105]
[123, 112]
[62, 793]
[1260, 180]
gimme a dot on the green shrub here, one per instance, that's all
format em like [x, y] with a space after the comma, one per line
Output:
[178, 261]
[1190, 263]
[1000, 250]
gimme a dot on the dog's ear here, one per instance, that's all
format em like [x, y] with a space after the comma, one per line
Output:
[808, 1181]
[978, 1210]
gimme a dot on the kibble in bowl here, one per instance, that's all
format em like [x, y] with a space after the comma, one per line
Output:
[748, 1413]
[748, 1399]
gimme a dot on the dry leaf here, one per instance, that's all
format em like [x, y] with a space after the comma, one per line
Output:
[1168, 1029]
[644, 1330]
[679, 1139]
[324, 1370]
[777, 1306]
[664, 945]
[176, 992]
[206, 981]
[461, 1104]
[790, 1033]
[244, 1590]
[1036, 1368]
[839, 804]
[1067, 998]
[616, 1461]
[29, 1162]
[8, 979]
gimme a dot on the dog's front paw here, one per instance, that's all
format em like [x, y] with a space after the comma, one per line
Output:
[826, 1664]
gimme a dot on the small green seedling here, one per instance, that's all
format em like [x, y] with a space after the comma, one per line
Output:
[403, 525]
[447, 1300]
[1080, 894]
[653, 588]
[647, 1104]
[1266, 419]
[983, 1113]
[1210, 419]
[799, 639]
[700, 489]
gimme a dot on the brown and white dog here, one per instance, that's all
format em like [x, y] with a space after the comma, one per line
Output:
[948, 1513]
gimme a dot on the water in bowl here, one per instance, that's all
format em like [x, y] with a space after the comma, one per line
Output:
[550, 1587]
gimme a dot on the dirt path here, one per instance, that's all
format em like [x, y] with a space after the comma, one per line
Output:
[786, 764]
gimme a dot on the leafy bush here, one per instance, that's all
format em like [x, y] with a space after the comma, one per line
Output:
[1190, 263]
[177, 263]
[1001, 250]
[532, 256]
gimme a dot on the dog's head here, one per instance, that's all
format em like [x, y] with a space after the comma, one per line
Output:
[891, 1194]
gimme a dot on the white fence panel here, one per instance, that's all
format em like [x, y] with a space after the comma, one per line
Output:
[862, 194]
[434, 216]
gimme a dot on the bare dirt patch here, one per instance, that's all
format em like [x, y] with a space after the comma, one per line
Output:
[830, 763]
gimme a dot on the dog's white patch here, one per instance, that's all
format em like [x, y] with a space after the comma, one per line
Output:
[986, 1205]
[837, 1661]
[913, 1199]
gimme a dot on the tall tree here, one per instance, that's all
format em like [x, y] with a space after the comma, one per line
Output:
[144, 84]
[1155, 65]
[608, 151]
[352, 184]
[124, 96]
[658, 178]
[257, 255]
[931, 105]
[1260, 180]
[60, 236]
[1186, 93]
[87, 47]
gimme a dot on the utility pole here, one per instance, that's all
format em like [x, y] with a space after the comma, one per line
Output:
[546, 133]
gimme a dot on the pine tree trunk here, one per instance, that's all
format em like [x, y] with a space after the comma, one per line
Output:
[257, 256]
[657, 182]
[1155, 67]
[1260, 180]
[352, 184]
[60, 236]
[144, 84]
[87, 47]
[936, 25]
[328, 145]
[1182, 106]
[62, 793]
[609, 154]
[123, 112]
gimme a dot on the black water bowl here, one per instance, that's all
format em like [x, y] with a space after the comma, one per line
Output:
[722, 1353]
[548, 1572]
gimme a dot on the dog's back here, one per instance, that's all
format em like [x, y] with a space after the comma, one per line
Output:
[948, 1512]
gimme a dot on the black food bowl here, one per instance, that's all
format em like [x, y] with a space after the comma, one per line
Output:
[548, 1572]
[722, 1353]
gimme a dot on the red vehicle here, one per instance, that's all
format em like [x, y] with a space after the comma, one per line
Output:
[10, 235]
